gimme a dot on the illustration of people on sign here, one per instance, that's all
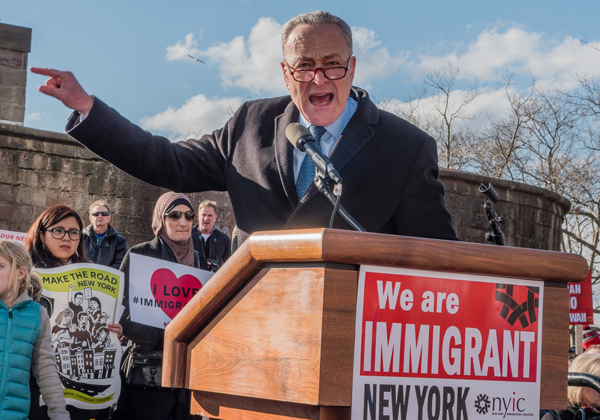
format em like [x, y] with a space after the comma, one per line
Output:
[81, 340]
[101, 340]
[81, 333]
[60, 331]
[75, 302]
[84, 300]
[94, 311]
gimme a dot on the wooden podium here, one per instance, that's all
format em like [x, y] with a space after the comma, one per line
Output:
[271, 335]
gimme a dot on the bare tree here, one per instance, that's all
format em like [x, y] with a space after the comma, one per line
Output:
[586, 97]
[503, 153]
[442, 110]
[456, 142]
[581, 232]
[411, 109]
[548, 138]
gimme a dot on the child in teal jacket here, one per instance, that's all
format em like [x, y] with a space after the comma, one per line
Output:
[24, 339]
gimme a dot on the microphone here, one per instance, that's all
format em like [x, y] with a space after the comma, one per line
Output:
[302, 140]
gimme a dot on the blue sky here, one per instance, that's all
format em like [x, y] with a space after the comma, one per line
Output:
[133, 54]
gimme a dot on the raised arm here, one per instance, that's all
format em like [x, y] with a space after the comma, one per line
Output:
[191, 166]
[63, 86]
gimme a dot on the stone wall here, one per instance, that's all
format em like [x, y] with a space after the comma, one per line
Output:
[15, 44]
[533, 215]
[40, 168]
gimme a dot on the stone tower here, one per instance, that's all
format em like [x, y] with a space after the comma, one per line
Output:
[15, 45]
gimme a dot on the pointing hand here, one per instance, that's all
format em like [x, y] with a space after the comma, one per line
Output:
[64, 86]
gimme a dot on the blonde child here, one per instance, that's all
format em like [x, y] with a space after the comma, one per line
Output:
[24, 339]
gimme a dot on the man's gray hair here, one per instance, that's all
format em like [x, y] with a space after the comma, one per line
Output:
[99, 203]
[315, 18]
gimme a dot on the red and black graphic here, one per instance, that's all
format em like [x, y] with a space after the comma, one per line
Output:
[512, 310]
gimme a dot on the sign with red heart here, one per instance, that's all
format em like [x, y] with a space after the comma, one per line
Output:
[172, 293]
[158, 290]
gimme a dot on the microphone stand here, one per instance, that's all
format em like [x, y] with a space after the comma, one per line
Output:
[491, 196]
[324, 188]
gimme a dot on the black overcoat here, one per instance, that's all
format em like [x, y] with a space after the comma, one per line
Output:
[388, 165]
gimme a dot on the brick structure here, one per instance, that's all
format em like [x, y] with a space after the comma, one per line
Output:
[15, 44]
[41, 168]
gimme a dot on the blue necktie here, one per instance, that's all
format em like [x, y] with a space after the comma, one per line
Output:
[307, 169]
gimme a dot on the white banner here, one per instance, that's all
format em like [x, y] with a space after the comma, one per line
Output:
[85, 299]
[446, 346]
[13, 236]
[159, 289]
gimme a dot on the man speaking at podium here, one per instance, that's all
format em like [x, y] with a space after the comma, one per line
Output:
[389, 166]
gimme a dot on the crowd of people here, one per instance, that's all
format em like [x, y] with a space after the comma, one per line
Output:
[58, 238]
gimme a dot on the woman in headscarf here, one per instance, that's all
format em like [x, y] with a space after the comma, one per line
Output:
[172, 222]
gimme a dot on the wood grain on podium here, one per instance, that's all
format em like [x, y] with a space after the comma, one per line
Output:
[219, 406]
[555, 344]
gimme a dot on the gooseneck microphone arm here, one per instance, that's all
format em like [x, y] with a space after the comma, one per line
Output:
[326, 191]
[302, 140]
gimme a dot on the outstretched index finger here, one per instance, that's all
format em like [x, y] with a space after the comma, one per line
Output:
[45, 72]
[63, 86]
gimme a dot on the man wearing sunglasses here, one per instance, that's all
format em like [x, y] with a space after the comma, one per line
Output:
[389, 166]
[102, 243]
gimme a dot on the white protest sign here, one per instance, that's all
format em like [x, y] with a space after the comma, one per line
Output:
[159, 289]
[84, 300]
[13, 236]
[446, 345]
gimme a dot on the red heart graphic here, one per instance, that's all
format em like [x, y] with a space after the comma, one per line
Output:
[172, 293]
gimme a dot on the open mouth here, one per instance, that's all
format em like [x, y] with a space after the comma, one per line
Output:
[320, 100]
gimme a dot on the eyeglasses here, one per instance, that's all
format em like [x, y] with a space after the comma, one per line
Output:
[100, 213]
[331, 73]
[176, 215]
[59, 233]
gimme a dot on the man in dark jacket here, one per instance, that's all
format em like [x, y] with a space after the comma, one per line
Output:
[102, 243]
[209, 241]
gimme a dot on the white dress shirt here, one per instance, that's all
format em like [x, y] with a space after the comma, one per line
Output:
[330, 137]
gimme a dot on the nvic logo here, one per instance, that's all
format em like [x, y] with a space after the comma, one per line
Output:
[500, 406]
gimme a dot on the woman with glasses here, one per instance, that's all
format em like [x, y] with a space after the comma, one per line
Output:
[55, 240]
[172, 222]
